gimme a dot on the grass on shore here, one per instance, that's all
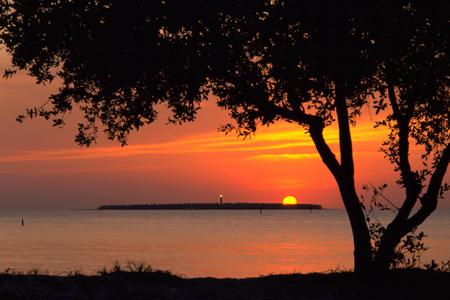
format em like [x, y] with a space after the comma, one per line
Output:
[140, 281]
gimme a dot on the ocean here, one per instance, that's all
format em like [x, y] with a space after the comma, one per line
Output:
[191, 243]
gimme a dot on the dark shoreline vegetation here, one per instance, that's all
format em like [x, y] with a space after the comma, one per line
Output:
[209, 206]
[139, 281]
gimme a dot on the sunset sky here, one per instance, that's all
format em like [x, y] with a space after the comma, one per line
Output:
[42, 167]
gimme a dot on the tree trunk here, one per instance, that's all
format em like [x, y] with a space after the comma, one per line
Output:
[386, 251]
[343, 173]
[345, 179]
[361, 237]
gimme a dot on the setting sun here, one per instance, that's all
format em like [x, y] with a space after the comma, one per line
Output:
[289, 200]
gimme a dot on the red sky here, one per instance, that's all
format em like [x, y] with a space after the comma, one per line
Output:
[42, 167]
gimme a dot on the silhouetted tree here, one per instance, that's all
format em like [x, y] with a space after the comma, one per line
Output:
[413, 72]
[307, 62]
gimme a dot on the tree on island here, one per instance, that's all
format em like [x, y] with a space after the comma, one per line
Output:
[305, 62]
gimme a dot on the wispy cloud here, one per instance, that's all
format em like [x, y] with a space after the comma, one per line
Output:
[284, 136]
[286, 156]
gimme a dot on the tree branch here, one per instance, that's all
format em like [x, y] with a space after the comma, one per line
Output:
[328, 157]
[315, 126]
[410, 182]
[297, 116]
[430, 199]
[345, 139]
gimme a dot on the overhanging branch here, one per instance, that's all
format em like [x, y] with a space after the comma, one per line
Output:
[315, 126]
[328, 157]
[429, 200]
[409, 179]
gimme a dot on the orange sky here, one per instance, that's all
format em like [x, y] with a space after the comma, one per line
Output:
[41, 166]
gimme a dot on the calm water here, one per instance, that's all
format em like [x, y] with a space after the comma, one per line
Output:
[190, 243]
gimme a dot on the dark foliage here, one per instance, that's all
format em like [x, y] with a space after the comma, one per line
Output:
[405, 284]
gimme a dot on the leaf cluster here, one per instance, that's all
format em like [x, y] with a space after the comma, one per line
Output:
[264, 60]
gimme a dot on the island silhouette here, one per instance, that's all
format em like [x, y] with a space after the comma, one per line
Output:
[209, 206]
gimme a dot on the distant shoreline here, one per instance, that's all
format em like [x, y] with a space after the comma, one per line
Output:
[210, 206]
